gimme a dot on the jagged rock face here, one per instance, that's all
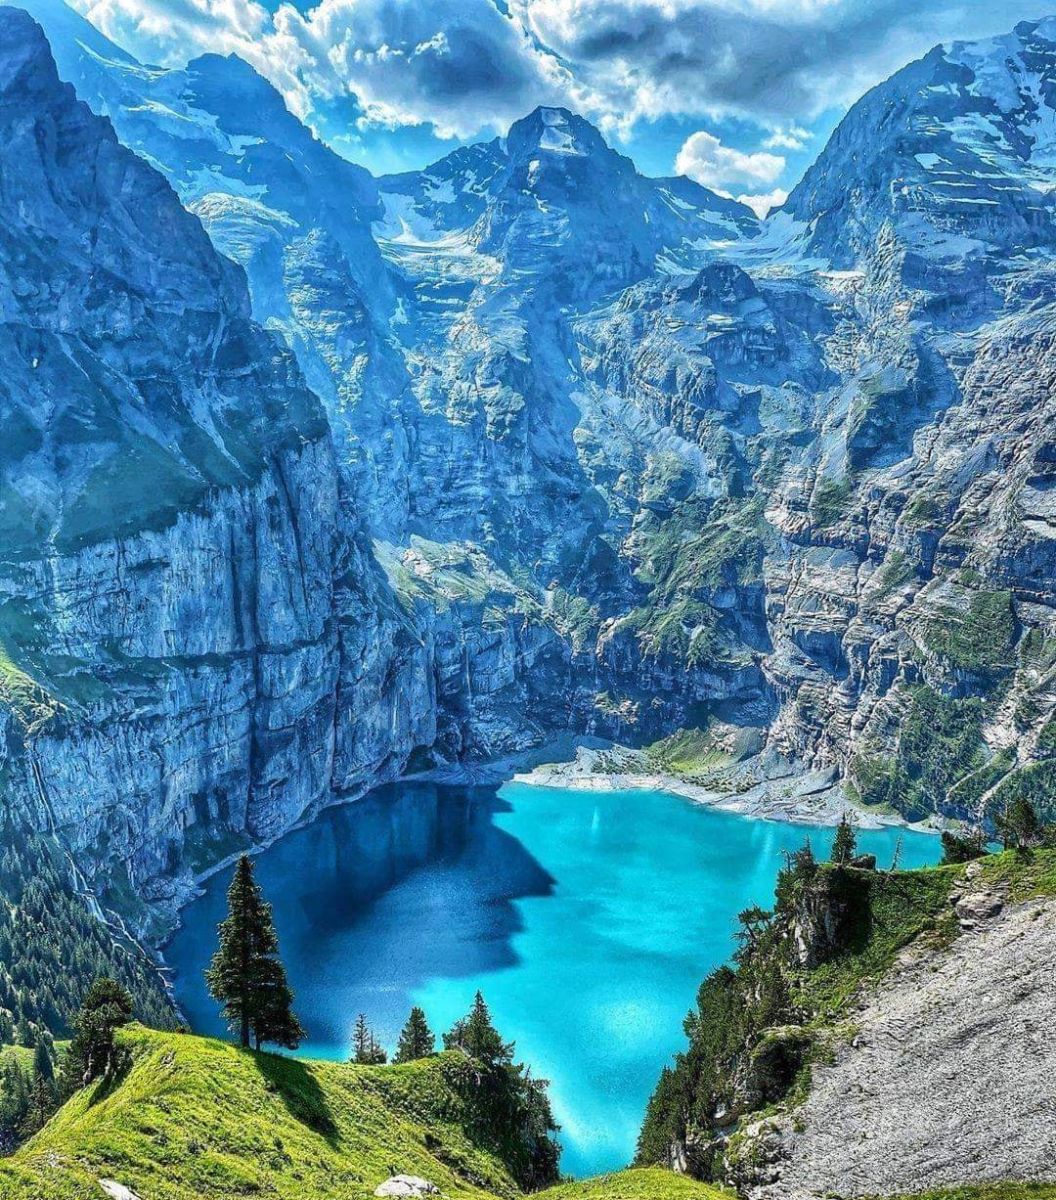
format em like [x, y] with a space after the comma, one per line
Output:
[954, 154]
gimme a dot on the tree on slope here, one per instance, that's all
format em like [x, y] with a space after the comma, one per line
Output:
[844, 844]
[246, 975]
[416, 1038]
[366, 1049]
[476, 1036]
[1018, 826]
[93, 1051]
[43, 1093]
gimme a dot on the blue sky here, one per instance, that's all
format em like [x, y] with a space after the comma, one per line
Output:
[738, 94]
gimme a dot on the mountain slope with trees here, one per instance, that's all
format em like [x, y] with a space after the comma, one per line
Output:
[879, 1032]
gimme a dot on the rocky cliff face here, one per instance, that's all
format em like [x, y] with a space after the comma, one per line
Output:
[605, 454]
[184, 617]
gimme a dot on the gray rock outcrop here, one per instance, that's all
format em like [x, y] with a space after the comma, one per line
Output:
[949, 1076]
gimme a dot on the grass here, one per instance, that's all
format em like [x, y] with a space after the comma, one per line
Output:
[640, 1183]
[1023, 876]
[194, 1118]
[700, 753]
[830, 500]
[978, 639]
[198, 1119]
[884, 913]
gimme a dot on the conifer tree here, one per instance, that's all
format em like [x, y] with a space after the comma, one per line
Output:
[844, 844]
[366, 1050]
[93, 1050]
[246, 976]
[43, 1091]
[416, 1038]
[1018, 826]
[477, 1036]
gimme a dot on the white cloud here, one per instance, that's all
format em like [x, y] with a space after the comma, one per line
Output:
[792, 138]
[705, 159]
[467, 67]
[762, 203]
[462, 67]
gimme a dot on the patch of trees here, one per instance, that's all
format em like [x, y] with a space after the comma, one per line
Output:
[52, 947]
[1016, 825]
[507, 1109]
[30, 1093]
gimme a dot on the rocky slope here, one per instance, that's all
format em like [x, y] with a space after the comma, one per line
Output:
[918, 1099]
[878, 1034]
[606, 455]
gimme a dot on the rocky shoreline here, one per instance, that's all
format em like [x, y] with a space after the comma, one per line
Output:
[766, 787]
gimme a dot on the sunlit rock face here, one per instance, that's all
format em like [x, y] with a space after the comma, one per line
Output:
[520, 444]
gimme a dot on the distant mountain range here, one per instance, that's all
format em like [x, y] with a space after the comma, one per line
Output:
[524, 444]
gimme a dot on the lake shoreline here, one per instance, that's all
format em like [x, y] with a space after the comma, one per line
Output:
[800, 797]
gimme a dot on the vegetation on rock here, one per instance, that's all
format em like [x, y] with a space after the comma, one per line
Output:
[758, 1024]
[52, 946]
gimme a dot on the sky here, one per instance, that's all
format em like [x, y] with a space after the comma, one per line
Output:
[740, 95]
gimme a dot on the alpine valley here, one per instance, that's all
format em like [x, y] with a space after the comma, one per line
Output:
[312, 480]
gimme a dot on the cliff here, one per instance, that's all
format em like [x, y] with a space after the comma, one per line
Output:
[881, 1034]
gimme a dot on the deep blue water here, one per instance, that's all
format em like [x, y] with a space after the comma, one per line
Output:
[587, 919]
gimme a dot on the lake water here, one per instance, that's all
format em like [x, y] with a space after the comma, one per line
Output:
[587, 919]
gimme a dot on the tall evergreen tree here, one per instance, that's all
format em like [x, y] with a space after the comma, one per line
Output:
[246, 976]
[416, 1038]
[477, 1036]
[43, 1095]
[844, 843]
[1018, 826]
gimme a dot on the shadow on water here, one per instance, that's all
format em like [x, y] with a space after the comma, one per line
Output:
[299, 1091]
[414, 882]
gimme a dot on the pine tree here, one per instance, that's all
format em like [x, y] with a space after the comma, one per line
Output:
[416, 1038]
[246, 976]
[43, 1096]
[477, 1036]
[1018, 826]
[366, 1050]
[14, 1103]
[93, 1050]
[844, 844]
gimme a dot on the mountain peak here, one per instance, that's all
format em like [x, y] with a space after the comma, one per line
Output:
[27, 68]
[555, 131]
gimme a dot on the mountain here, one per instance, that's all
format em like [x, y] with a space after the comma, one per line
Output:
[178, 591]
[553, 192]
[951, 160]
[610, 457]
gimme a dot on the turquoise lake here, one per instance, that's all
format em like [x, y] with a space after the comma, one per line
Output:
[587, 919]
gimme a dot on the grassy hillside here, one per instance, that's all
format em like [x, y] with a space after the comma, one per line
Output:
[641, 1183]
[198, 1119]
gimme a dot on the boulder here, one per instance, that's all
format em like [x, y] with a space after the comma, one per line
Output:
[406, 1185]
[978, 906]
